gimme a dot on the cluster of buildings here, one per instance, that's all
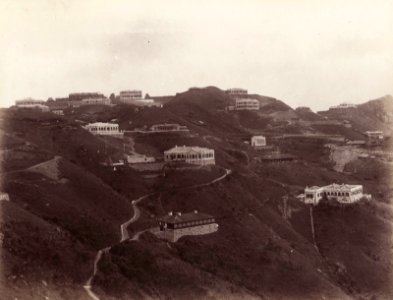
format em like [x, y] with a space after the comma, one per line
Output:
[342, 193]
[132, 97]
[173, 226]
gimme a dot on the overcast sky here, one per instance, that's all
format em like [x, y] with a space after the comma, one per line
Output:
[305, 52]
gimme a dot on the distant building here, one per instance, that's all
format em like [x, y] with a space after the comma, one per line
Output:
[174, 226]
[96, 101]
[342, 193]
[344, 106]
[191, 155]
[168, 127]
[139, 158]
[246, 104]
[236, 92]
[258, 141]
[103, 128]
[32, 103]
[127, 96]
[81, 96]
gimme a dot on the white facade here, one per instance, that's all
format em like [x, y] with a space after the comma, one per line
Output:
[59, 112]
[258, 141]
[168, 127]
[343, 106]
[191, 155]
[126, 96]
[313, 194]
[246, 104]
[377, 134]
[96, 101]
[342, 193]
[139, 158]
[103, 128]
[31, 103]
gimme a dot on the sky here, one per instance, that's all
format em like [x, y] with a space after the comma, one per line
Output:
[305, 52]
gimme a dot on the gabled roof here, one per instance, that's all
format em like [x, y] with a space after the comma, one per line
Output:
[186, 217]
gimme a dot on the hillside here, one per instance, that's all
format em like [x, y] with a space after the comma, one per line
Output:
[67, 209]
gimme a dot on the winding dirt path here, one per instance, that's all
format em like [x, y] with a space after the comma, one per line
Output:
[123, 228]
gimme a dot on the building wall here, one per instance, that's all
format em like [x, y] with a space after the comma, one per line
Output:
[247, 104]
[173, 235]
[202, 158]
[258, 141]
[107, 129]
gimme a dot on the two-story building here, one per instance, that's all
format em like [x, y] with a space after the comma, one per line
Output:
[246, 104]
[192, 155]
[174, 226]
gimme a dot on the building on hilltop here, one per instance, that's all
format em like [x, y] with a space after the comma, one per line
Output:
[96, 101]
[236, 92]
[343, 106]
[246, 104]
[342, 193]
[192, 155]
[168, 127]
[32, 103]
[81, 96]
[126, 96]
[174, 226]
[258, 142]
[103, 128]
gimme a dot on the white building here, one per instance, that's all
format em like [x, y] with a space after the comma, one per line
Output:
[258, 141]
[342, 193]
[191, 155]
[168, 127]
[103, 128]
[236, 92]
[127, 96]
[58, 112]
[96, 101]
[246, 104]
[344, 106]
[139, 159]
[4, 196]
[32, 103]
[174, 226]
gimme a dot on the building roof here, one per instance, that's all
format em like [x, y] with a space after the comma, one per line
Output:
[186, 217]
[187, 149]
[101, 124]
[314, 188]
[342, 186]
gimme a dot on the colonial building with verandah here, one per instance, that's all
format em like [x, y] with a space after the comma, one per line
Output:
[246, 104]
[103, 128]
[174, 226]
[342, 193]
[192, 155]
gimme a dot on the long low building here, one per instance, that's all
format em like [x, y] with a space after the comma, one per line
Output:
[174, 226]
[96, 101]
[103, 128]
[165, 127]
[32, 103]
[192, 155]
[342, 193]
[246, 104]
